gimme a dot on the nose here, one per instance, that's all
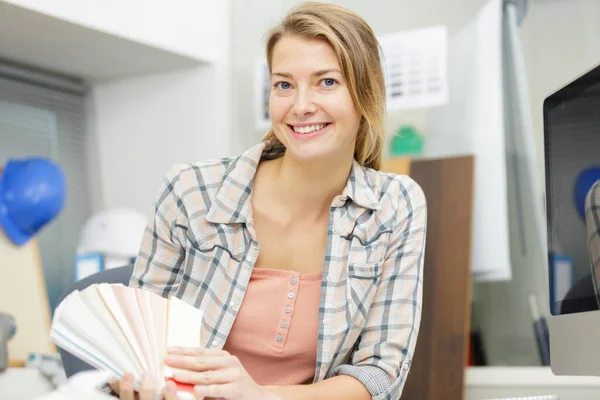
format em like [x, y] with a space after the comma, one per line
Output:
[304, 104]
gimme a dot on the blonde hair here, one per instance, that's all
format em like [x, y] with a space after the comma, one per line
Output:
[357, 50]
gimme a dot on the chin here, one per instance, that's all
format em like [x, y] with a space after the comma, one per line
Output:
[306, 155]
[313, 152]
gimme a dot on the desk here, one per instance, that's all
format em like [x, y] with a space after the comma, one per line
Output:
[503, 382]
[23, 384]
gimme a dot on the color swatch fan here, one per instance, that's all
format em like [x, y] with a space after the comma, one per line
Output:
[120, 329]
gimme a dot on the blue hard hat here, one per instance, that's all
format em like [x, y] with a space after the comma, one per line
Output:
[583, 184]
[32, 193]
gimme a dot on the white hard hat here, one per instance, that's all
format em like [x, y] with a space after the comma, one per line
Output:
[114, 232]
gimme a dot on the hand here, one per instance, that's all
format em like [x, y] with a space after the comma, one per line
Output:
[216, 373]
[126, 392]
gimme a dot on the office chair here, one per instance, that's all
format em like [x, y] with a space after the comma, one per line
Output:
[580, 297]
[72, 364]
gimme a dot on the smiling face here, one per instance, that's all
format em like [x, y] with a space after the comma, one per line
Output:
[312, 112]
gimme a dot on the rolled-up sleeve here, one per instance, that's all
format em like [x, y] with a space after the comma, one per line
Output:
[162, 250]
[386, 345]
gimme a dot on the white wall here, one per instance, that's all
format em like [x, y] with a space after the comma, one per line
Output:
[253, 19]
[561, 40]
[141, 126]
[179, 26]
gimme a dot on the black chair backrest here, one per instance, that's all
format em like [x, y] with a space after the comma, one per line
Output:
[72, 364]
[581, 297]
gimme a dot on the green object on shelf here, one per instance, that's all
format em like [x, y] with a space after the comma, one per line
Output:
[406, 141]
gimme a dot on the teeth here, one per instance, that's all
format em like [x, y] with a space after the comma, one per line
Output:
[308, 129]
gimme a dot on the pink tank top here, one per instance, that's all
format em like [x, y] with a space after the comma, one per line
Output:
[276, 330]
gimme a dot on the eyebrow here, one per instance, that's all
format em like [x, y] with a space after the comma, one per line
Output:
[316, 73]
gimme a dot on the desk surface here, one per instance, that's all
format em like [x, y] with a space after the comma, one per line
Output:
[504, 382]
[23, 384]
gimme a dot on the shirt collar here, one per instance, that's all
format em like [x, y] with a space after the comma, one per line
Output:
[233, 201]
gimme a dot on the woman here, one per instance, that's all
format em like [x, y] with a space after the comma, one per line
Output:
[306, 260]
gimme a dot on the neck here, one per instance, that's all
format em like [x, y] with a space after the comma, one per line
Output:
[308, 189]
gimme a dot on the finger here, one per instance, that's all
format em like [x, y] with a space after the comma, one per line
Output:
[196, 351]
[126, 387]
[215, 377]
[227, 391]
[200, 363]
[146, 388]
[171, 391]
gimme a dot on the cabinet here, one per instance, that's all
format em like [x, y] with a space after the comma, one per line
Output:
[438, 366]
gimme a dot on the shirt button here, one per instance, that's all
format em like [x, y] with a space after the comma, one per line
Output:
[279, 338]
[215, 343]
[335, 231]
[329, 278]
[232, 304]
[326, 321]
[291, 295]
[284, 324]
[288, 310]
[323, 366]
[294, 281]
[406, 366]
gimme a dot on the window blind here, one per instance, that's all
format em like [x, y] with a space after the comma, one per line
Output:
[43, 115]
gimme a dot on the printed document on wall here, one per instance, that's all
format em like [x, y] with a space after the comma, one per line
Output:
[415, 65]
[262, 90]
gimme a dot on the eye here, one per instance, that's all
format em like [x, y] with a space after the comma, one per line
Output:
[282, 85]
[329, 82]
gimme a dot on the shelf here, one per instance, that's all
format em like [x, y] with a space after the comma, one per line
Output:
[58, 45]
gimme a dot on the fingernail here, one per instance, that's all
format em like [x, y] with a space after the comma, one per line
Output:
[170, 358]
[173, 349]
[171, 388]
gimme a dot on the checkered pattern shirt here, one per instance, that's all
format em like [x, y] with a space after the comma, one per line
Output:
[592, 222]
[201, 246]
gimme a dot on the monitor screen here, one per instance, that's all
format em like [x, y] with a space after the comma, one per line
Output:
[572, 160]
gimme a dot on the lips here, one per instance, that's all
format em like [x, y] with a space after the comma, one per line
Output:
[309, 131]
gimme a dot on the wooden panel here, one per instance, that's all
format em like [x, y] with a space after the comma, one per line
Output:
[24, 296]
[397, 165]
[14, 363]
[440, 359]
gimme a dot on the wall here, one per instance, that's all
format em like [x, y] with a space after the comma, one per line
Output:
[177, 25]
[141, 126]
[130, 118]
[561, 39]
[251, 24]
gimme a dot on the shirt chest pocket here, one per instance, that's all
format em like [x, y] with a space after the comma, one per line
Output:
[363, 280]
[367, 246]
[213, 252]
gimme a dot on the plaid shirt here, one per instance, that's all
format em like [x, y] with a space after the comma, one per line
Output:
[201, 246]
[592, 222]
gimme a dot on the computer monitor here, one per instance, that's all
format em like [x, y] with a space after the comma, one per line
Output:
[572, 163]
